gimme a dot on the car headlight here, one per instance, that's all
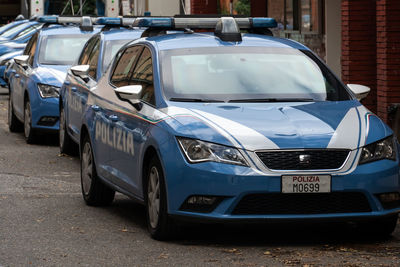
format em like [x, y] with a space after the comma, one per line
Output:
[46, 90]
[199, 151]
[382, 149]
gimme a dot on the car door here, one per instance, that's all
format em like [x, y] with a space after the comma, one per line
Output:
[20, 78]
[107, 131]
[133, 127]
[77, 90]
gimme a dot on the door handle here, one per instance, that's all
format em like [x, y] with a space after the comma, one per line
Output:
[67, 82]
[96, 108]
[113, 118]
[73, 89]
[17, 75]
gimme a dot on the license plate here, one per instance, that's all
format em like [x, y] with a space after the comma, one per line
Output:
[306, 184]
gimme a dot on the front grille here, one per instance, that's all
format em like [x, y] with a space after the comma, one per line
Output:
[316, 203]
[316, 159]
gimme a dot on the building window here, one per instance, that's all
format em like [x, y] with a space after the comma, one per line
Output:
[303, 16]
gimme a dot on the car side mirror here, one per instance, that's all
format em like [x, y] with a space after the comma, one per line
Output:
[22, 60]
[81, 71]
[359, 90]
[130, 93]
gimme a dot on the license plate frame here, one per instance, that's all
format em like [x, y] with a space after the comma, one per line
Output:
[306, 184]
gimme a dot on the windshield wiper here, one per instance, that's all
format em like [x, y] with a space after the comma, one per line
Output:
[177, 99]
[255, 100]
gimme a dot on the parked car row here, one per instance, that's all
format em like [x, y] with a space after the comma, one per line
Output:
[225, 125]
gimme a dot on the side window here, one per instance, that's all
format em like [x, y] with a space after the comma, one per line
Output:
[84, 58]
[93, 60]
[143, 75]
[123, 69]
[31, 49]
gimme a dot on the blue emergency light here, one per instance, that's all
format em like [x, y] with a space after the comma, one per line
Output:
[110, 21]
[226, 28]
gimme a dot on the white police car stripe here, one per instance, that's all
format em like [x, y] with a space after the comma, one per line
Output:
[347, 134]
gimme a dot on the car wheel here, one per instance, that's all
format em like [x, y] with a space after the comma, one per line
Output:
[14, 125]
[159, 223]
[381, 228]
[65, 142]
[94, 191]
[28, 131]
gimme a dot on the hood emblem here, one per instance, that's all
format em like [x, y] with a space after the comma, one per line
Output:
[304, 159]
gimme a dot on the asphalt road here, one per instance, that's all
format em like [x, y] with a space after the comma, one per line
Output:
[44, 222]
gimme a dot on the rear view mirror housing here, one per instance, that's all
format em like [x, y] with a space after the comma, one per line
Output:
[359, 90]
[81, 71]
[130, 93]
[22, 60]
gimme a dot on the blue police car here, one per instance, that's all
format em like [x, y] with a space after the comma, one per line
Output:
[5, 61]
[93, 62]
[10, 25]
[40, 72]
[20, 31]
[227, 126]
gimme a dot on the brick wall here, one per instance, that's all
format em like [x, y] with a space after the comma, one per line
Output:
[203, 7]
[388, 54]
[359, 46]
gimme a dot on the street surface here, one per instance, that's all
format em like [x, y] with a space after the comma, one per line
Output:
[45, 222]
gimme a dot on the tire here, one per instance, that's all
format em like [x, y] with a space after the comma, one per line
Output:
[94, 191]
[381, 228]
[28, 131]
[159, 224]
[66, 144]
[14, 125]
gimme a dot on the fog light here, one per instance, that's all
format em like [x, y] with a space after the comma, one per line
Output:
[48, 121]
[389, 200]
[201, 203]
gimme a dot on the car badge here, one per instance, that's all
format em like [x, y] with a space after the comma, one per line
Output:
[304, 159]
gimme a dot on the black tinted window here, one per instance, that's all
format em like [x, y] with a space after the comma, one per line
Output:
[124, 67]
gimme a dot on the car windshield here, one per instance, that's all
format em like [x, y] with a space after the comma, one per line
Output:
[14, 30]
[61, 49]
[247, 74]
[110, 49]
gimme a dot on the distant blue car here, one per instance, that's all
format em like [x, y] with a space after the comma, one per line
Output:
[93, 62]
[10, 25]
[39, 74]
[230, 127]
[4, 63]
[20, 32]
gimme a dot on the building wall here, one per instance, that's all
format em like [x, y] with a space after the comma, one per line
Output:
[203, 7]
[164, 7]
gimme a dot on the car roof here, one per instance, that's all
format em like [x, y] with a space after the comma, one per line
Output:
[61, 30]
[121, 34]
[185, 40]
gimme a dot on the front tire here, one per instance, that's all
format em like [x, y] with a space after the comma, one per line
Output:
[94, 191]
[65, 142]
[28, 131]
[14, 125]
[159, 224]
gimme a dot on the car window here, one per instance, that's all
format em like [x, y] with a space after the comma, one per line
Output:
[143, 75]
[110, 50]
[248, 73]
[93, 60]
[32, 49]
[61, 49]
[84, 58]
[124, 67]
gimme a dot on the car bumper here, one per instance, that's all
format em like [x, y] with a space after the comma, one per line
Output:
[45, 114]
[238, 187]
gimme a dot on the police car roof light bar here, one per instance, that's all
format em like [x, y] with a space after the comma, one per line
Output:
[226, 28]
[109, 21]
[201, 22]
[85, 22]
